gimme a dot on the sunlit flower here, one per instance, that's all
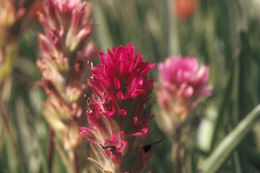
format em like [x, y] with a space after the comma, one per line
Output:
[118, 116]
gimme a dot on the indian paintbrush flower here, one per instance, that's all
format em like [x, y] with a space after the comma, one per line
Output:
[66, 55]
[182, 82]
[119, 115]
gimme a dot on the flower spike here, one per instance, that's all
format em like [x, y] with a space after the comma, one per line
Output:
[118, 116]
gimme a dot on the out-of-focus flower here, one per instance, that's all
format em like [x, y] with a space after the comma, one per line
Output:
[11, 22]
[66, 54]
[36, 7]
[65, 57]
[67, 25]
[182, 82]
[7, 17]
[118, 116]
[185, 8]
[7, 20]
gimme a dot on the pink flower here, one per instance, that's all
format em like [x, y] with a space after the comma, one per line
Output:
[67, 24]
[118, 116]
[120, 83]
[66, 6]
[66, 55]
[182, 82]
[115, 146]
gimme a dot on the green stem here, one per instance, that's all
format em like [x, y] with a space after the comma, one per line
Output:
[10, 135]
[178, 159]
[172, 29]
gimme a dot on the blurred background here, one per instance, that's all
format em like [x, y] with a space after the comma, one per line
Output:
[222, 34]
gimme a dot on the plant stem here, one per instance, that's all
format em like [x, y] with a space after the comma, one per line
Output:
[63, 156]
[75, 161]
[10, 135]
[51, 150]
[173, 48]
[178, 158]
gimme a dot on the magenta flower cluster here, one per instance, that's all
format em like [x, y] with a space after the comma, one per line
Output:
[118, 116]
[182, 82]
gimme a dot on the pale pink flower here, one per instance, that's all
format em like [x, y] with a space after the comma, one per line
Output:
[182, 82]
[65, 57]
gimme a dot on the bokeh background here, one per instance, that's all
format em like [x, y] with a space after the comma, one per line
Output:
[222, 34]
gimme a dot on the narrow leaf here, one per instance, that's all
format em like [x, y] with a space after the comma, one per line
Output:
[224, 149]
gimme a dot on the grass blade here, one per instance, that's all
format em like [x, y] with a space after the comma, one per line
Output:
[220, 154]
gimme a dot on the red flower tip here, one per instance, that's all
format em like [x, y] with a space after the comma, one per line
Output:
[121, 76]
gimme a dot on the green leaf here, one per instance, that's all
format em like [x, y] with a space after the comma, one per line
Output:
[224, 149]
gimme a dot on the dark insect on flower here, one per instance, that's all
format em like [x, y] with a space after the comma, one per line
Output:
[148, 147]
[109, 147]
